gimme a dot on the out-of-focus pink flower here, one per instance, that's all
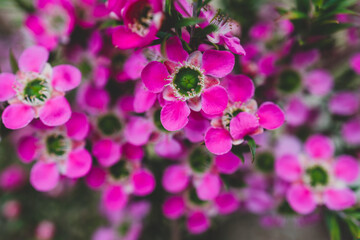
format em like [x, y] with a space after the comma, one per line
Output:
[12, 178]
[319, 82]
[45, 230]
[344, 103]
[351, 131]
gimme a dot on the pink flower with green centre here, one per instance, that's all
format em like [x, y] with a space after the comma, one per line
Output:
[188, 82]
[241, 118]
[58, 151]
[37, 90]
[317, 177]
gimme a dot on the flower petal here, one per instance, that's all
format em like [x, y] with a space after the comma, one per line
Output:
[55, 112]
[347, 168]
[7, 81]
[114, 198]
[154, 76]
[270, 115]
[143, 182]
[44, 176]
[78, 126]
[226, 203]
[78, 163]
[175, 51]
[107, 152]
[96, 177]
[214, 100]
[138, 130]
[33, 59]
[174, 115]
[319, 147]
[218, 63]
[218, 140]
[301, 199]
[168, 147]
[240, 88]
[123, 38]
[339, 199]
[27, 148]
[144, 99]
[197, 223]
[208, 187]
[173, 207]
[243, 124]
[233, 44]
[65, 77]
[175, 178]
[11, 115]
[227, 163]
[288, 167]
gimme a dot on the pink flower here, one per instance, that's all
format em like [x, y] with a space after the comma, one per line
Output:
[241, 118]
[37, 90]
[355, 63]
[12, 177]
[351, 131]
[58, 151]
[142, 20]
[173, 207]
[316, 178]
[188, 82]
[197, 222]
[45, 230]
[52, 23]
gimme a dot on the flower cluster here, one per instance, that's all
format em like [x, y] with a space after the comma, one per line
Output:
[166, 111]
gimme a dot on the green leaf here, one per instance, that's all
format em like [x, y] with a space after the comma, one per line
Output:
[185, 22]
[237, 150]
[295, 15]
[252, 146]
[329, 28]
[209, 29]
[168, 6]
[318, 3]
[25, 6]
[333, 226]
[13, 62]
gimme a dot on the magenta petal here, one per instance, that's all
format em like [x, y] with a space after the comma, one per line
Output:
[319, 147]
[350, 131]
[319, 82]
[143, 182]
[218, 140]
[174, 207]
[107, 152]
[144, 99]
[132, 152]
[7, 81]
[44, 176]
[154, 76]
[233, 44]
[78, 163]
[124, 38]
[301, 199]
[197, 223]
[27, 148]
[270, 115]
[347, 168]
[174, 50]
[138, 130]
[78, 126]
[96, 177]
[11, 116]
[226, 203]
[218, 63]
[196, 128]
[168, 147]
[174, 115]
[227, 163]
[33, 59]
[243, 124]
[288, 168]
[55, 112]
[175, 178]
[65, 77]
[344, 103]
[240, 88]
[208, 187]
[114, 198]
[214, 100]
[339, 199]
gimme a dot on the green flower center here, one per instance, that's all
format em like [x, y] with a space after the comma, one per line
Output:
[36, 91]
[289, 81]
[318, 176]
[119, 170]
[58, 22]
[109, 124]
[265, 162]
[230, 114]
[124, 228]
[200, 160]
[57, 145]
[188, 82]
